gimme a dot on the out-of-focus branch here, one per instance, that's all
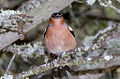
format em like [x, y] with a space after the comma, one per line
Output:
[40, 10]
[10, 4]
[103, 56]
[110, 4]
[102, 18]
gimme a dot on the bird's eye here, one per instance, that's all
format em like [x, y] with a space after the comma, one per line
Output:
[53, 15]
[60, 14]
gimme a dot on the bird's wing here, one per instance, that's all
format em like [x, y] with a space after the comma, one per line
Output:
[45, 32]
[71, 30]
[49, 25]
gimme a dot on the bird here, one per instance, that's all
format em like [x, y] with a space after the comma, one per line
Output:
[59, 37]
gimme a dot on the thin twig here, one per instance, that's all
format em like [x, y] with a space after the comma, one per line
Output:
[10, 63]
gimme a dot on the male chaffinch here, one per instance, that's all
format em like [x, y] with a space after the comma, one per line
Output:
[59, 37]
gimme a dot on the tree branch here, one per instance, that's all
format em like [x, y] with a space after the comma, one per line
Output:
[103, 56]
[102, 18]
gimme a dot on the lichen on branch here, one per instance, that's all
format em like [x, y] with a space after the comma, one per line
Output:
[100, 57]
[11, 20]
[28, 50]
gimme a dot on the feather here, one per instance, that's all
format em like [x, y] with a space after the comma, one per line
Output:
[45, 32]
[49, 25]
[71, 30]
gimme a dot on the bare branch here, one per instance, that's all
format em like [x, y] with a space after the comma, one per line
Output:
[10, 63]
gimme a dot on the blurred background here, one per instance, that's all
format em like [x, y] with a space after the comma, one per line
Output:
[85, 20]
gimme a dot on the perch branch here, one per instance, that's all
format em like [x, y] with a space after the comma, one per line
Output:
[108, 55]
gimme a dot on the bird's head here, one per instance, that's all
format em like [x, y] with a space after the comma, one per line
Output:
[56, 18]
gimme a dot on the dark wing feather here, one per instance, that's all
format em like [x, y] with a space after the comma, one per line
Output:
[71, 30]
[49, 25]
[45, 32]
